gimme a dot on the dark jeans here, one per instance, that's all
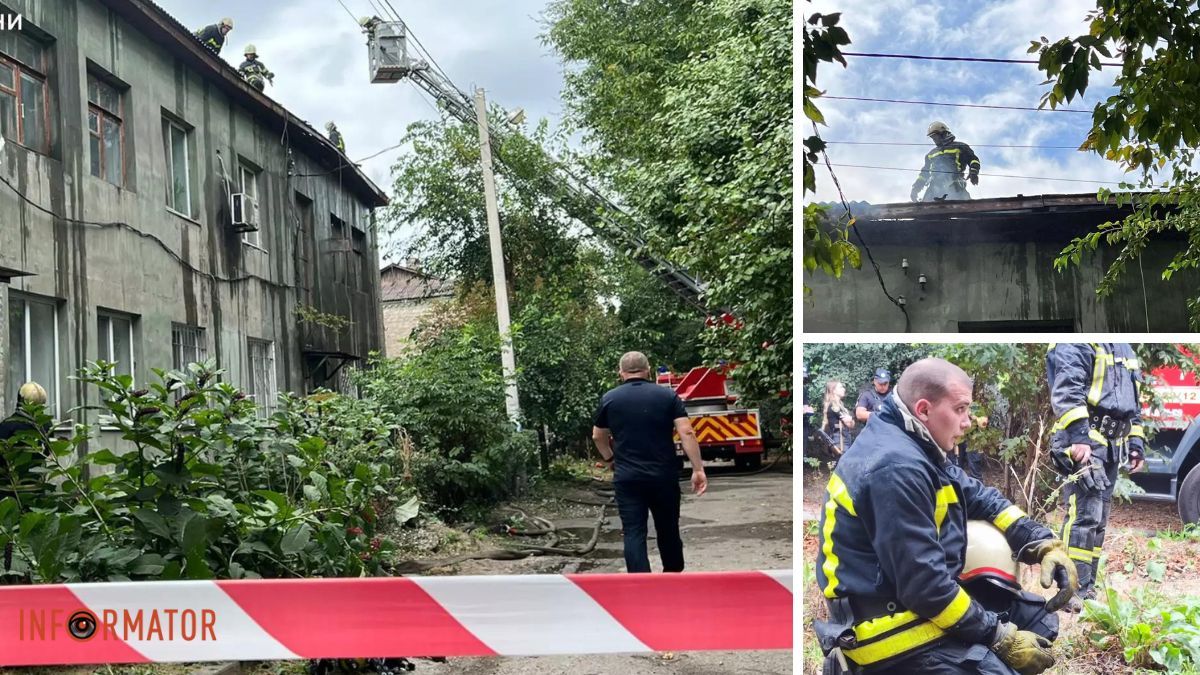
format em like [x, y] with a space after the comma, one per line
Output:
[660, 498]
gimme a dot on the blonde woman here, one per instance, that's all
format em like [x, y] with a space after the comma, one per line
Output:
[837, 421]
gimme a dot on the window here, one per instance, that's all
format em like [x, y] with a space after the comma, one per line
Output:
[248, 183]
[187, 346]
[24, 101]
[261, 383]
[105, 131]
[337, 246]
[179, 186]
[33, 347]
[114, 337]
[359, 271]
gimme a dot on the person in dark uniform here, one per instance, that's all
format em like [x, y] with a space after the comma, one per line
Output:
[254, 70]
[19, 422]
[634, 428]
[894, 542]
[335, 136]
[872, 398]
[213, 35]
[942, 175]
[1098, 428]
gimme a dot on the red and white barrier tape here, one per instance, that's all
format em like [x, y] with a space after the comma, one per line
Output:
[519, 615]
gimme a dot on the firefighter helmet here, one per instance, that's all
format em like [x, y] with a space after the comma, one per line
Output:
[330, 126]
[32, 392]
[989, 556]
[250, 49]
[226, 22]
[937, 128]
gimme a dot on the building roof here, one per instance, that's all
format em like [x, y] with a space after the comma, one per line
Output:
[1019, 218]
[405, 283]
[156, 23]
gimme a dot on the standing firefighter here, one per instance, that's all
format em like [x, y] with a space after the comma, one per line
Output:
[335, 136]
[1098, 427]
[213, 35]
[894, 547]
[254, 71]
[943, 170]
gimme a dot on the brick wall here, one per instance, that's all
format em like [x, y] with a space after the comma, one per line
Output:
[400, 317]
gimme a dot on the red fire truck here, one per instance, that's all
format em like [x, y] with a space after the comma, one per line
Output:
[1173, 453]
[724, 430]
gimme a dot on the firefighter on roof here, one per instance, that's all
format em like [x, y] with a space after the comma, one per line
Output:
[335, 136]
[213, 35]
[254, 71]
[894, 542]
[1097, 428]
[942, 175]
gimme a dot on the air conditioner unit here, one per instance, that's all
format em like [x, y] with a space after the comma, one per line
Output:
[243, 210]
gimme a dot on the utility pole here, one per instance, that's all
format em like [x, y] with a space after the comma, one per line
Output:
[512, 402]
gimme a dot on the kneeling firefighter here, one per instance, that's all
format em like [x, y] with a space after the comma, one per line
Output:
[893, 563]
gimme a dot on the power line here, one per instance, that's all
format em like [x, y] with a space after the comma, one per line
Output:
[973, 145]
[975, 59]
[958, 105]
[352, 17]
[990, 175]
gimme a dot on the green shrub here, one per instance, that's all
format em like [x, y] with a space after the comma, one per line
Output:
[1151, 631]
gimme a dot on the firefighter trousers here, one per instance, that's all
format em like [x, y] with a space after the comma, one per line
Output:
[1085, 525]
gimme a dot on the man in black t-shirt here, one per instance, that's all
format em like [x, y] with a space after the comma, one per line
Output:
[634, 428]
[870, 400]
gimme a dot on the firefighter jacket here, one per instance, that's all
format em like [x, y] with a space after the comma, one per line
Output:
[945, 164]
[253, 69]
[893, 535]
[1090, 381]
[211, 37]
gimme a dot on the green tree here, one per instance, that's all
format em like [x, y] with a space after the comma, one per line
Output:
[1149, 124]
[687, 109]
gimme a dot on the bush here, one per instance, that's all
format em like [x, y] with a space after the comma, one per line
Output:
[210, 490]
[1150, 630]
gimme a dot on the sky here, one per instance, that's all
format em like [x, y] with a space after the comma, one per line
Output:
[319, 57]
[999, 29]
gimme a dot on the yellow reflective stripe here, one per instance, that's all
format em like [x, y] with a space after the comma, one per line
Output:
[1071, 416]
[974, 161]
[945, 497]
[1137, 430]
[1007, 517]
[1081, 554]
[1099, 365]
[873, 628]
[954, 611]
[1070, 521]
[1097, 436]
[1097, 551]
[838, 495]
[893, 645]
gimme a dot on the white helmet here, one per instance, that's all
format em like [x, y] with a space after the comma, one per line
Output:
[937, 128]
[227, 22]
[989, 556]
[32, 392]
[329, 126]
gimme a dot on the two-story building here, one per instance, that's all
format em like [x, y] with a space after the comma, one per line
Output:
[133, 164]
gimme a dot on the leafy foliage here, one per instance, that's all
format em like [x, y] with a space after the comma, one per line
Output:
[853, 364]
[1149, 629]
[1149, 123]
[688, 108]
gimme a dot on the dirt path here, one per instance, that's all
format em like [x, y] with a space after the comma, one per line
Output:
[742, 523]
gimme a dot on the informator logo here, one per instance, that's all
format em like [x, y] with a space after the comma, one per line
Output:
[11, 21]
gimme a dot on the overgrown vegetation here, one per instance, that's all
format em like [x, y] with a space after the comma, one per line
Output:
[1148, 629]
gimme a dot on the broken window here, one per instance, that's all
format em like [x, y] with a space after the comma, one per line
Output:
[114, 337]
[33, 347]
[338, 245]
[179, 189]
[260, 384]
[359, 271]
[24, 102]
[248, 184]
[105, 131]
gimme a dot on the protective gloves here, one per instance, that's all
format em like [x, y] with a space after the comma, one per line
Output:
[1057, 568]
[1093, 476]
[974, 178]
[1028, 653]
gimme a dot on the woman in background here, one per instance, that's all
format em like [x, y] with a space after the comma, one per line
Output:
[837, 421]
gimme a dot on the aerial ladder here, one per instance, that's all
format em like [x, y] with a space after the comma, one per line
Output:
[390, 61]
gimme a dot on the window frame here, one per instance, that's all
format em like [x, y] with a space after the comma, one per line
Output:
[109, 316]
[169, 125]
[37, 72]
[200, 346]
[26, 335]
[103, 113]
[264, 407]
[252, 237]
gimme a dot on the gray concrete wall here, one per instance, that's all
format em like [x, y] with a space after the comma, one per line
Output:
[234, 291]
[979, 278]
